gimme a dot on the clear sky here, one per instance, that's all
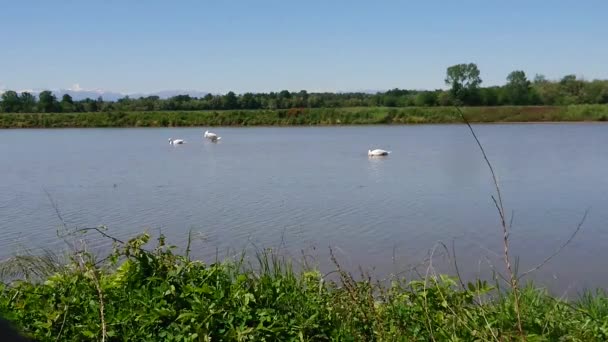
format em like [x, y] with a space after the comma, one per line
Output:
[146, 46]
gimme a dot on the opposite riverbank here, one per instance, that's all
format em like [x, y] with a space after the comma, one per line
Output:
[307, 116]
[152, 294]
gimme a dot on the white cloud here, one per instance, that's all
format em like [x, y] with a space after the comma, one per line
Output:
[75, 87]
[31, 91]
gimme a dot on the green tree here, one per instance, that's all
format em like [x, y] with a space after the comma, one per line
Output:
[108, 107]
[10, 102]
[315, 101]
[490, 96]
[28, 102]
[230, 101]
[464, 82]
[517, 88]
[426, 99]
[66, 104]
[536, 90]
[595, 91]
[47, 102]
[445, 99]
[151, 103]
[285, 94]
[547, 92]
[571, 89]
[248, 101]
[89, 105]
[390, 101]
[99, 103]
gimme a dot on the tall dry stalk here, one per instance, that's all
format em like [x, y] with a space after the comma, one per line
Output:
[513, 280]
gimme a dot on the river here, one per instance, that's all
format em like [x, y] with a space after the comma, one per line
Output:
[304, 189]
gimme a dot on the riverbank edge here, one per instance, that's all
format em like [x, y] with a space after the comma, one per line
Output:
[308, 117]
[152, 293]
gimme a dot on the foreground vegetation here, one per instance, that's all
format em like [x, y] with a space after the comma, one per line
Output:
[308, 116]
[139, 294]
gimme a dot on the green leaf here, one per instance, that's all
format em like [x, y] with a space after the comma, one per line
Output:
[186, 316]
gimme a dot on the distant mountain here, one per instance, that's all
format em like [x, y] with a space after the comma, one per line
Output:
[113, 96]
[83, 94]
[165, 94]
[364, 91]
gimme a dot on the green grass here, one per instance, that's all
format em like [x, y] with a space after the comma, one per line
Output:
[306, 116]
[140, 294]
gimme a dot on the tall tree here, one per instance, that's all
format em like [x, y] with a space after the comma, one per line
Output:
[28, 102]
[248, 101]
[230, 101]
[571, 89]
[66, 104]
[47, 102]
[10, 102]
[67, 99]
[464, 82]
[517, 88]
[99, 103]
[285, 94]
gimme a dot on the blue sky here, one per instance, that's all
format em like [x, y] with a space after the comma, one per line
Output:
[145, 46]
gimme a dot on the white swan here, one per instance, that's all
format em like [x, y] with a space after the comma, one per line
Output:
[211, 136]
[176, 141]
[377, 153]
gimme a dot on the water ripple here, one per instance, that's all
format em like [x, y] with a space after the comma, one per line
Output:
[278, 185]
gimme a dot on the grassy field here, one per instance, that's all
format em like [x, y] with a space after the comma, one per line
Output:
[152, 294]
[306, 116]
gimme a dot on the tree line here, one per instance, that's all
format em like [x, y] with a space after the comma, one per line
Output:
[464, 83]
